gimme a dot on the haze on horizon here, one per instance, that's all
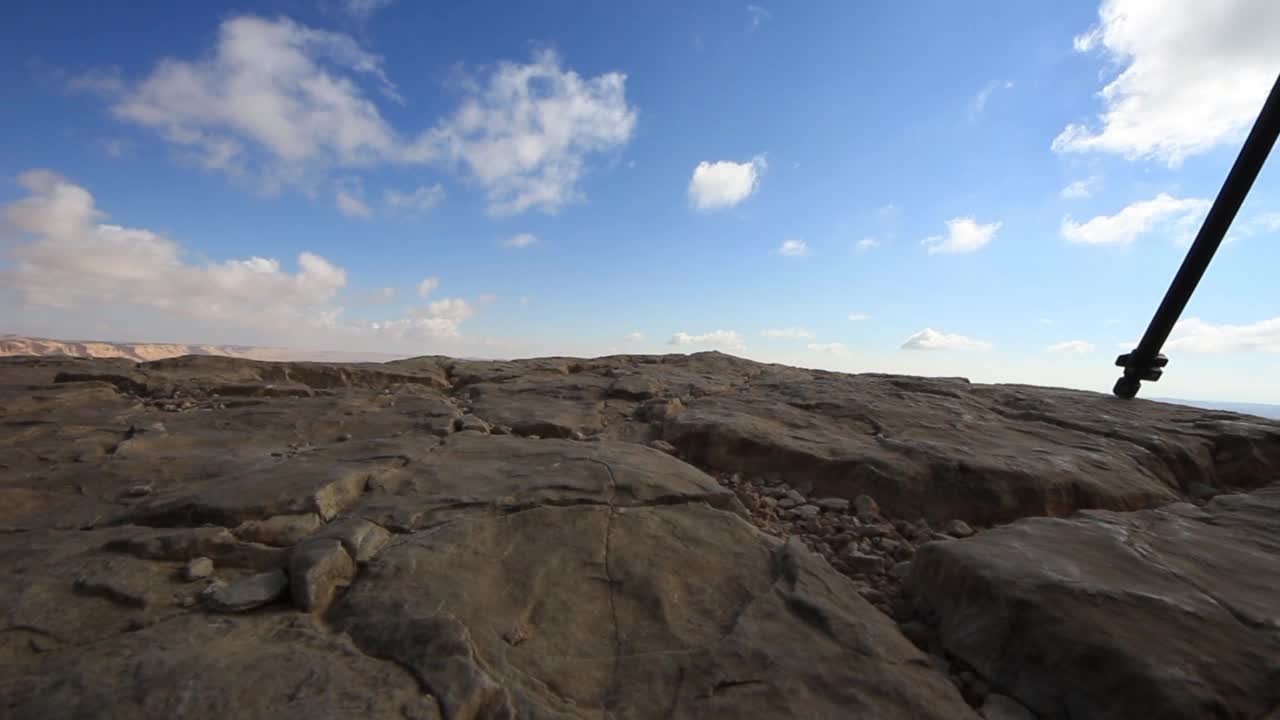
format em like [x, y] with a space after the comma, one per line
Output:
[912, 188]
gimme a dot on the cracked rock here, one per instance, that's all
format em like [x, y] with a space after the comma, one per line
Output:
[317, 569]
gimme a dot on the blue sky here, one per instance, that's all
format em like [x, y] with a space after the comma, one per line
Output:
[1000, 190]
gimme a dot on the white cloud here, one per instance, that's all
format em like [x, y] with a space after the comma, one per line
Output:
[723, 184]
[791, 333]
[867, 243]
[75, 261]
[1080, 189]
[758, 14]
[724, 339]
[1195, 74]
[1134, 220]
[634, 337]
[352, 206]
[428, 286]
[523, 240]
[793, 248]
[964, 235]
[283, 104]
[979, 101]
[1196, 335]
[271, 88]
[1072, 346]
[858, 317]
[834, 348]
[419, 200]
[362, 9]
[930, 339]
[526, 136]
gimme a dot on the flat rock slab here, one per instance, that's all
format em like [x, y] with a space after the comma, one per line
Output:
[668, 611]
[1170, 613]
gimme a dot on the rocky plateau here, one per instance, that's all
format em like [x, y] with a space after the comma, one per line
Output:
[680, 536]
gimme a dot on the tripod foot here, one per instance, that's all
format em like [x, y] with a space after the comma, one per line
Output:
[1127, 387]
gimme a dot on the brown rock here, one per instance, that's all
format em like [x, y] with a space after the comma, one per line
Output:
[1159, 613]
[246, 593]
[318, 569]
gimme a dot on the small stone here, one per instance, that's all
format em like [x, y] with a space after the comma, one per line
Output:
[834, 504]
[344, 437]
[501, 430]
[800, 499]
[806, 511]
[867, 508]
[888, 546]
[247, 593]
[787, 503]
[664, 446]
[864, 564]
[1003, 707]
[471, 422]
[533, 437]
[317, 568]
[768, 501]
[139, 490]
[872, 531]
[902, 571]
[958, 528]
[577, 435]
[198, 569]
[774, 492]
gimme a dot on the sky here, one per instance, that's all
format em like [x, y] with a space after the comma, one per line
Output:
[998, 190]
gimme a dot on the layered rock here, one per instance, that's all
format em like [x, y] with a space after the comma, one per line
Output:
[669, 536]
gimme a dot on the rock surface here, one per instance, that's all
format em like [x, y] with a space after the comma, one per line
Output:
[674, 536]
[1169, 612]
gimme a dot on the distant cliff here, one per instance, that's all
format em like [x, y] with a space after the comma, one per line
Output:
[12, 345]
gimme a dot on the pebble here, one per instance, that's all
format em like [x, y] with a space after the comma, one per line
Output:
[796, 496]
[246, 593]
[786, 503]
[344, 437]
[138, 490]
[866, 507]
[834, 504]
[806, 511]
[864, 564]
[198, 569]
[958, 528]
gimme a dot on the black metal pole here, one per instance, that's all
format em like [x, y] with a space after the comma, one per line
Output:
[1146, 362]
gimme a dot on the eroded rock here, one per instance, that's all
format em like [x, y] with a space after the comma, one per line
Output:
[246, 593]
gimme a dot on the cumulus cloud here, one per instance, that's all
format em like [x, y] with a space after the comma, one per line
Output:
[930, 339]
[791, 333]
[428, 286]
[964, 235]
[523, 240]
[75, 260]
[833, 348]
[793, 248]
[723, 184]
[1080, 189]
[526, 136]
[1195, 74]
[856, 317]
[1072, 346]
[723, 339]
[284, 104]
[419, 200]
[1162, 211]
[1196, 335]
[867, 243]
[634, 337]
